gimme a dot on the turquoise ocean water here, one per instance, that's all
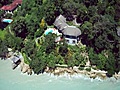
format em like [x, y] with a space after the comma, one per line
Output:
[15, 80]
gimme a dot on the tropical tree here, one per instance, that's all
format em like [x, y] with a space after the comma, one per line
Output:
[90, 2]
[60, 59]
[3, 49]
[1, 13]
[38, 62]
[49, 43]
[29, 48]
[19, 27]
[98, 59]
[92, 11]
[87, 28]
[70, 8]
[70, 61]
[117, 15]
[51, 60]
[101, 7]
[110, 10]
[81, 13]
[50, 17]
[32, 24]
[63, 48]
[110, 64]
[13, 42]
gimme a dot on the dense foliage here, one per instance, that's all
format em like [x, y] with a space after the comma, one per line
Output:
[98, 18]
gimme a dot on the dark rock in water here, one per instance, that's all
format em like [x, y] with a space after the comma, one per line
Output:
[3, 55]
[109, 75]
[14, 66]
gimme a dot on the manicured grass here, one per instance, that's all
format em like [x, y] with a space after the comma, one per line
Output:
[26, 59]
[2, 34]
[50, 26]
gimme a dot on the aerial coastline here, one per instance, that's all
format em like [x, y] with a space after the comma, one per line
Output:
[60, 70]
[74, 37]
[12, 80]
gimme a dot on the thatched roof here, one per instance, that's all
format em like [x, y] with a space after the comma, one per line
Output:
[61, 25]
[60, 22]
[72, 31]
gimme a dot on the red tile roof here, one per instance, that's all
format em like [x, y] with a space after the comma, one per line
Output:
[11, 6]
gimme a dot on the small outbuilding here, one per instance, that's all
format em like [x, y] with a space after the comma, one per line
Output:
[16, 61]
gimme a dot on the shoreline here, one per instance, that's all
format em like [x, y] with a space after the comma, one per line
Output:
[62, 69]
[13, 79]
[69, 72]
[59, 71]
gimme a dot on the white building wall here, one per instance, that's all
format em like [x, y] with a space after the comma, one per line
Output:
[71, 41]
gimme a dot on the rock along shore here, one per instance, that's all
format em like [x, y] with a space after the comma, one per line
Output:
[25, 68]
[72, 71]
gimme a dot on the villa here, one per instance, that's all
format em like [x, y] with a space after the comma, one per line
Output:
[70, 33]
[10, 8]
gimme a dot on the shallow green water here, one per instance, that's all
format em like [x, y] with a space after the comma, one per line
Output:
[15, 80]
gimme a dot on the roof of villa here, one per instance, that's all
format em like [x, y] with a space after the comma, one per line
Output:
[12, 6]
[72, 31]
[61, 24]
[60, 19]
[9, 7]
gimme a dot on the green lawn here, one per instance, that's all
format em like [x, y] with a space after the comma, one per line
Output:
[26, 59]
[2, 34]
